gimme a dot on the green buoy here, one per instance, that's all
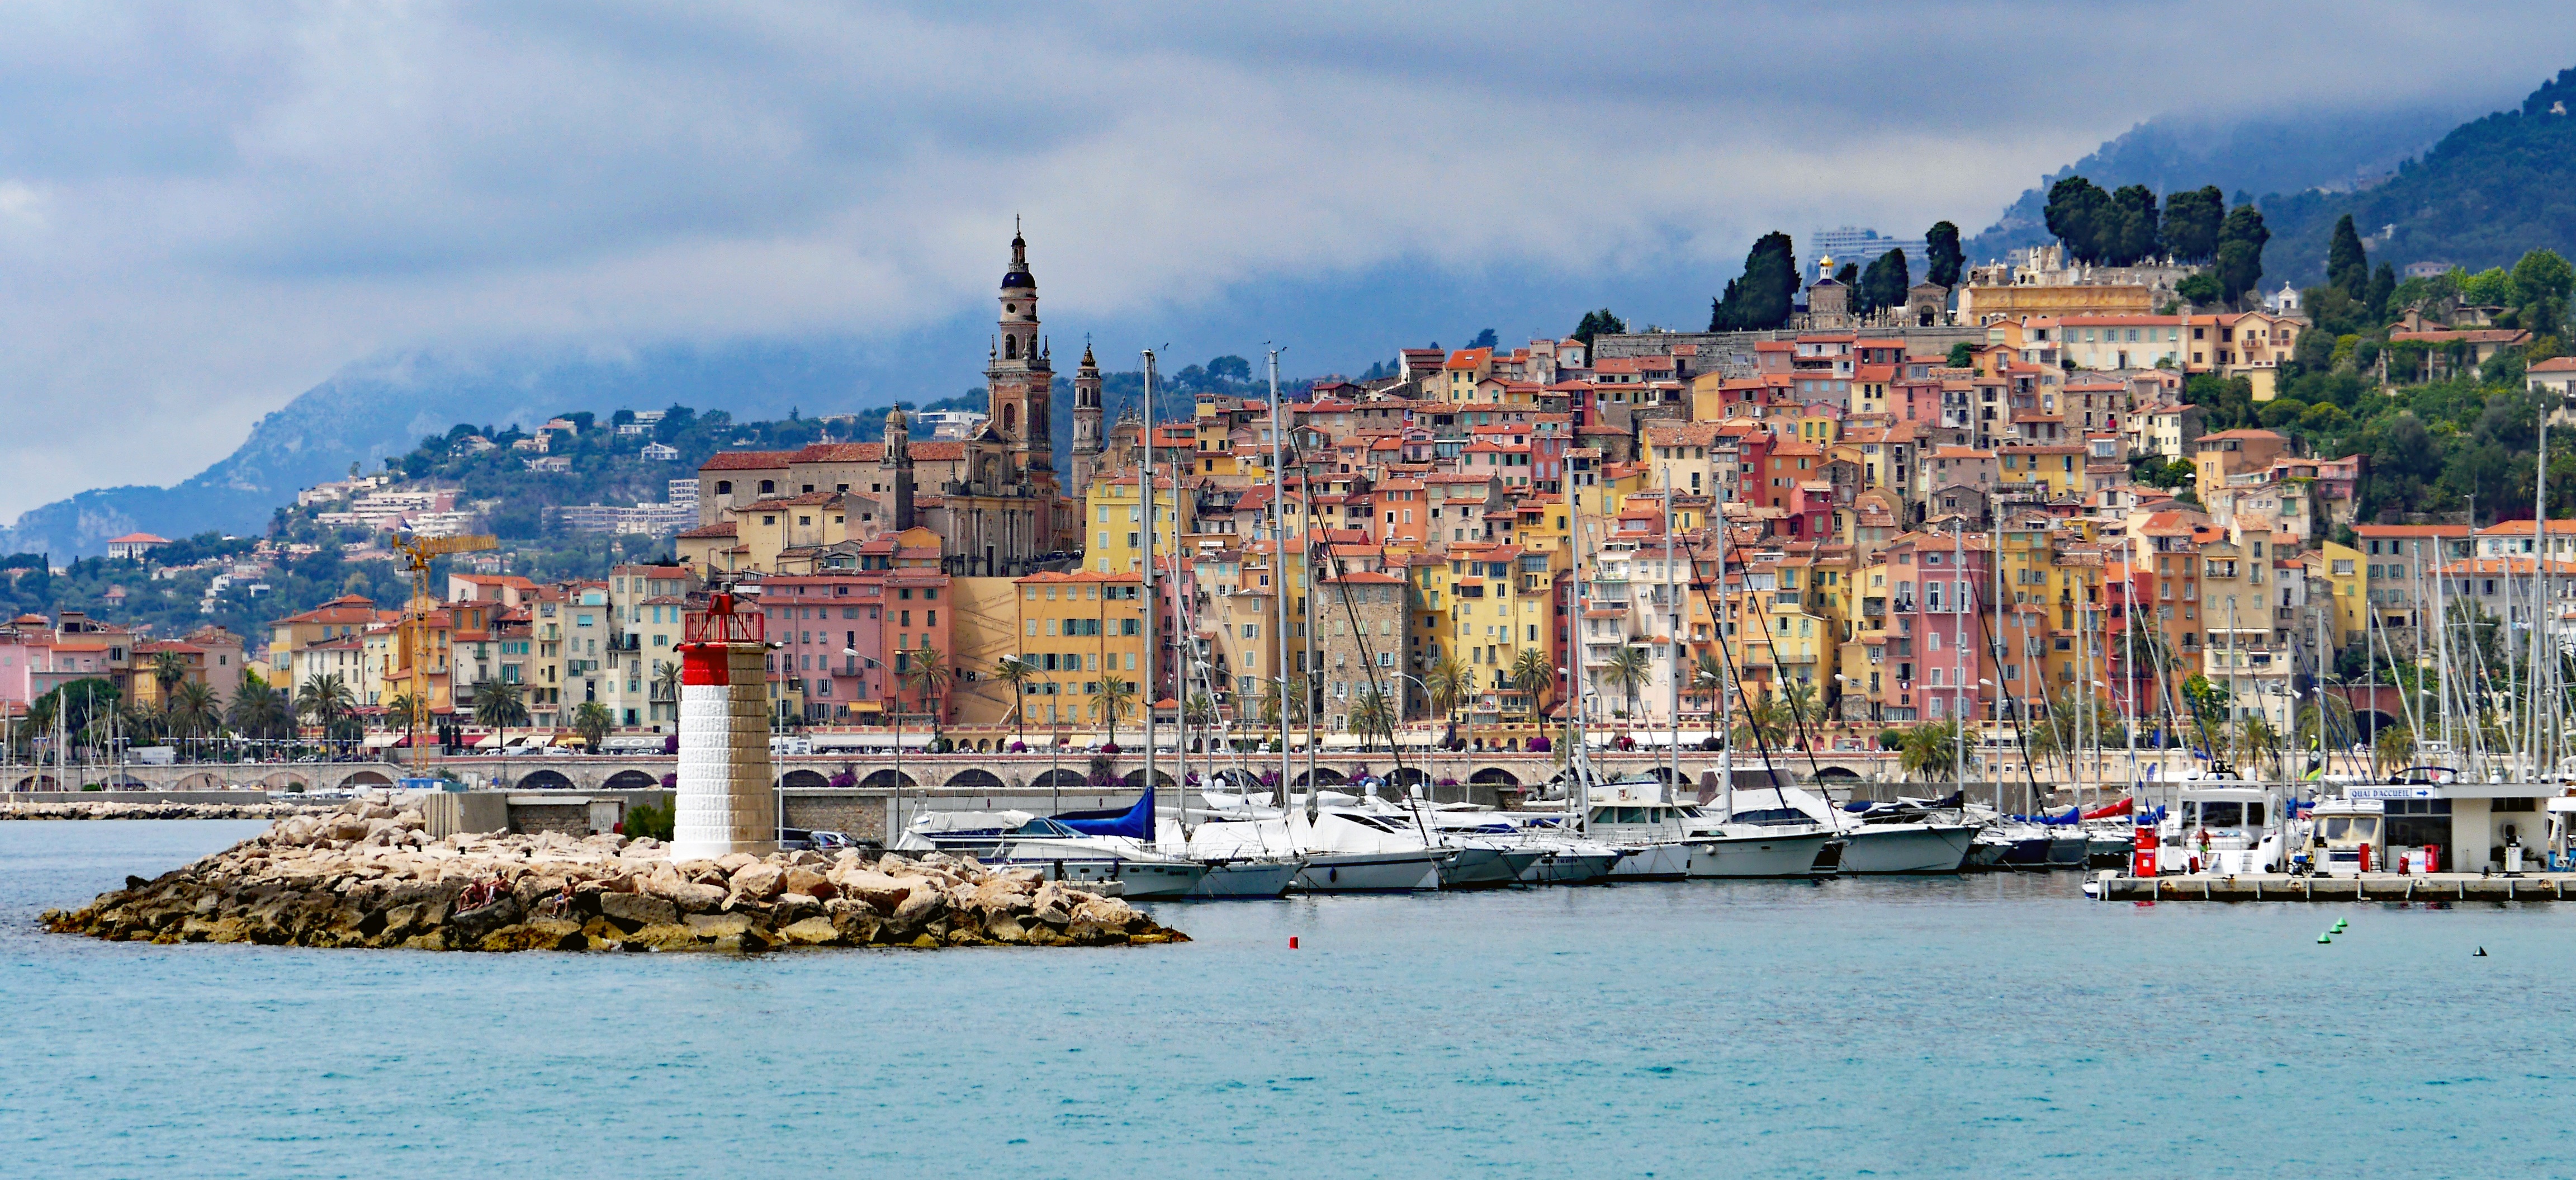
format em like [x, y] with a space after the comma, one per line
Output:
[2327, 937]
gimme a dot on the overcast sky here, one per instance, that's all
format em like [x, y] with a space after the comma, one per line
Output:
[206, 209]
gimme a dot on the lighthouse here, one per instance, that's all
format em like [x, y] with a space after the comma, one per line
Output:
[724, 804]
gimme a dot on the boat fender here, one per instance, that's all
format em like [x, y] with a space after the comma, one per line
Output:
[1292, 942]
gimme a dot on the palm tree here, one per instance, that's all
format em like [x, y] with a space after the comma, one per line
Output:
[1199, 710]
[1766, 721]
[2256, 739]
[327, 700]
[1930, 749]
[168, 669]
[1111, 701]
[2393, 749]
[592, 722]
[194, 711]
[1372, 714]
[929, 677]
[666, 684]
[1630, 668]
[1017, 673]
[1707, 676]
[403, 710]
[1803, 705]
[1534, 674]
[259, 711]
[498, 706]
[1449, 682]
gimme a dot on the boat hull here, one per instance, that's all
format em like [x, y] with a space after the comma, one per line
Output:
[1160, 878]
[1652, 862]
[1240, 879]
[1478, 867]
[1898, 849]
[1569, 867]
[1371, 872]
[1748, 857]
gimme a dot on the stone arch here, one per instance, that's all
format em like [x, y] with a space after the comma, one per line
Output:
[801, 779]
[975, 778]
[1494, 776]
[286, 781]
[889, 778]
[370, 777]
[1324, 775]
[39, 782]
[118, 780]
[202, 780]
[631, 780]
[1843, 774]
[543, 779]
[1405, 777]
[1059, 779]
[2371, 721]
[1136, 778]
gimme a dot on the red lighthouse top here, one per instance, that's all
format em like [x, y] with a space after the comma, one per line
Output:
[709, 636]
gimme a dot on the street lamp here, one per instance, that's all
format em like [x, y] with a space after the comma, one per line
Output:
[873, 662]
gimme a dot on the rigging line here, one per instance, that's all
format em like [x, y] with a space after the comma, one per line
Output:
[2021, 738]
[1796, 715]
[1727, 654]
[1368, 660]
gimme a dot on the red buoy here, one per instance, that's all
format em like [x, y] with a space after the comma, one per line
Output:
[1292, 942]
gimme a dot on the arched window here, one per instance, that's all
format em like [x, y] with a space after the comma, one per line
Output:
[1010, 417]
[724, 487]
[768, 486]
[1010, 347]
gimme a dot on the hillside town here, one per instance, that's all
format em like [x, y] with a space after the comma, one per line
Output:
[1989, 502]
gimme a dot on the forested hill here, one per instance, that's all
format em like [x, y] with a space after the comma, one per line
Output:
[2490, 191]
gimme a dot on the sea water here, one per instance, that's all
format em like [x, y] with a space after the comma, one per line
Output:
[1985, 1026]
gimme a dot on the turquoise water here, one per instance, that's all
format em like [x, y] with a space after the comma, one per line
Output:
[1986, 1026]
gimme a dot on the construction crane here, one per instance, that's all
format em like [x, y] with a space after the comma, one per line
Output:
[418, 552]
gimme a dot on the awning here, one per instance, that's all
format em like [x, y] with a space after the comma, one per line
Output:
[379, 741]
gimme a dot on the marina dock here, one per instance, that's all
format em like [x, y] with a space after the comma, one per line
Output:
[2110, 886]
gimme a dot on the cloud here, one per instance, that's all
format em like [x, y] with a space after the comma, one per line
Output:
[205, 209]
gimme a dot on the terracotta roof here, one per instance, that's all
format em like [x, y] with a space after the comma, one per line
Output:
[746, 460]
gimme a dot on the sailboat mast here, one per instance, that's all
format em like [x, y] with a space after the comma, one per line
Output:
[1279, 571]
[1672, 648]
[1153, 651]
[1725, 667]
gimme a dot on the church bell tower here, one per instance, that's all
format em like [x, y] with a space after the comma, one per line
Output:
[1019, 380]
[1086, 423]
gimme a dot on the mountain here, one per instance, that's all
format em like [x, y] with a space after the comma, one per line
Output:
[382, 407]
[2338, 152]
[2490, 190]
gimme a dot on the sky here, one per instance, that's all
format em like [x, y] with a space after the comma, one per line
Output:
[206, 209]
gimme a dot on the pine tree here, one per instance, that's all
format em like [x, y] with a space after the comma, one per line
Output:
[2347, 266]
[2191, 223]
[1942, 244]
[2240, 252]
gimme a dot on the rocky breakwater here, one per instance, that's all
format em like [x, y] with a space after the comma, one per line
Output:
[369, 876]
[111, 809]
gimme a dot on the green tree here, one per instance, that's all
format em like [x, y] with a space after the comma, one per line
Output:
[2240, 252]
[2130, 233]
[1962, 355]
[2347, 265]
[928, 676]
[498, 706]
[2075, 213]
[1372, 714]
[1629, 669]
[168, 669]
[1017, 673]
[2383, 286]
[666, 682]
[592, 722]
[1884, 284]
[258, 711]
[193, 710]
[1765, 719]
[1595, 323]
[2191, 224]
[2200, 290]
[1534, 674]
[1762, 299]
[1941, 244]
[1111, 700]
[1931, 750]
[328, 703]
[2541, 281]
[1449, 682]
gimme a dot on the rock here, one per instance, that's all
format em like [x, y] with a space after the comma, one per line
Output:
[735, 862]
[812, 932]
[856, 920]
[879, 891]
[689, 896]
[632, 911]
[469, 929]
[759, 880]
[544, 934]
[802, 879]
[661, 938]
[345, 827]
[919, 909]
[719, 925]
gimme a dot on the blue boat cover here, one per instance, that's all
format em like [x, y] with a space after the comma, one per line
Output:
[1137, 823]
[2073, 815]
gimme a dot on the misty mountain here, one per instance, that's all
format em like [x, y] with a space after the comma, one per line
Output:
[2281, 154]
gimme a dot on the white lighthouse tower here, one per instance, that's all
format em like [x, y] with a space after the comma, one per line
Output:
[724, 803]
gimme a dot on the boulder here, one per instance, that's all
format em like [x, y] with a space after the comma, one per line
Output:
[856, 920]
[661, 938]
[802, 879]
[881, 892]
[816, 931]
[920, 907]
[633, 911]
[759, 880]
[719, 925]
[469, 929]
[544, 934]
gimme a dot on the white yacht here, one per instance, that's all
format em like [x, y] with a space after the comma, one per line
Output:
[1883, 840]
[1019, 839]
[1673, 841]
[1340, 853]
[2226, 826]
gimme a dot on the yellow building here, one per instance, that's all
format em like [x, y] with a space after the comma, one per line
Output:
[1116, 532]
[2341, 566]
[2060, 468]
[983, 629]
[1080, 631]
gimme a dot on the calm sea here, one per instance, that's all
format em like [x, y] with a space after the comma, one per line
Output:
[1994, 1026]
